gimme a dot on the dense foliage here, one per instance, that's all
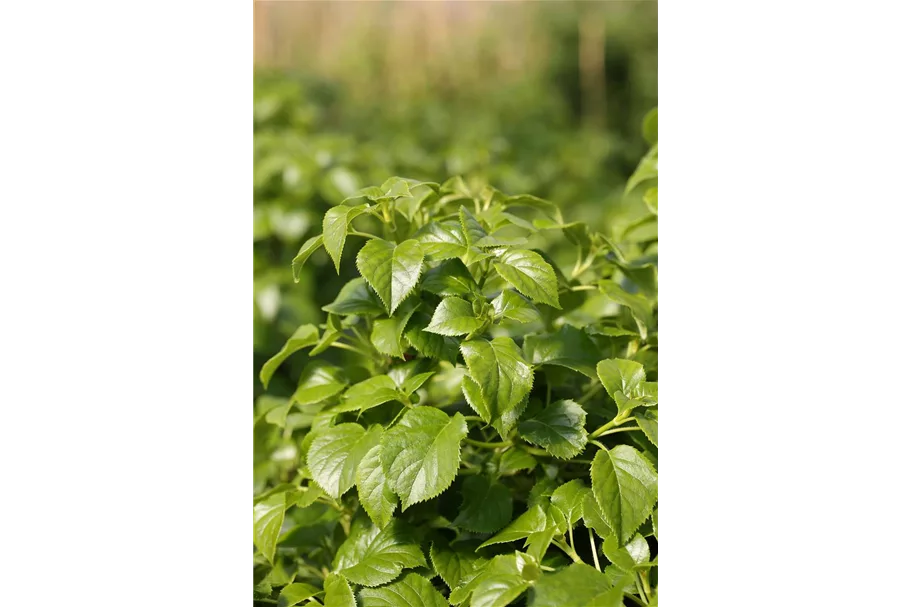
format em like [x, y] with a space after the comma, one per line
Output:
[476, 420]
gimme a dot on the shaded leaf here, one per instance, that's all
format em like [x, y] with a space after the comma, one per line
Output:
[319, 381]
[486, 505]
[356, 298]
[569, 347]
[454, 563]
[386, 335]
[296, 593]
[648, 421]
[430, 345]
[560, 429]
[514, 460]
[531, 521]
[449, 278]
[573, 586]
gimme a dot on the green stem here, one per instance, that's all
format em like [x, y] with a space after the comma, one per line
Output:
[484, 445]
[592, 391]
[621, 418]
[535, 450]
[583, 288]
[572, 541]
[645, 585]
[364, 234]
[639, 588]
[473, 418]
[635, 599]
[469, 471]
[345, 346]
[562, 545]
[597, 444]
[623, 429]
[591, 538]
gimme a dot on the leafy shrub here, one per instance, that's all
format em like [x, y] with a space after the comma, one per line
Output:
[492, 436]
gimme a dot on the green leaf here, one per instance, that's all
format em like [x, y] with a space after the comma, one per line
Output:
[307, 496]
[513, 306]
[502, 378]
[442, 240]
[369, 393]
[373, 491]
[568, 499]
[303, 255]
[430, 345]
[650, 126]
[305, 336]
[335, 453]
[514, 460]
[338, 592]
[486, 505]
[499, 582]
[386, 335]
[626, 489]
[471, 227]
[268, 516]
[319, 381]
[560, 429]
[624, 376]
[412, 591]
[333, 331]
[372, 556]
[646, 171]
[651, 199]
[449, 278]
[392, 270]
[573, 586]
[420, 453]
[611, 598]
[453, 317]
[531, 521]
[549, 209]
[648, 421]
[569, 347]
[629, 557]
[356, 298]
[335, 230]
[294, 594]
[594, 518]
[410, 385]
[445, 240]
[454, 564]
[638, 305]
[530, 275]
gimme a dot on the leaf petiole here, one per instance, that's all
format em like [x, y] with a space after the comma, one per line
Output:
[591, 539]
[484, 445]
[623, 429]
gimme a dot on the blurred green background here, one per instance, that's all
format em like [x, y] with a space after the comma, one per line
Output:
[545, 98]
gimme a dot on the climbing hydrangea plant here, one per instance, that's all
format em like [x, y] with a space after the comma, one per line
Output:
[490, 435]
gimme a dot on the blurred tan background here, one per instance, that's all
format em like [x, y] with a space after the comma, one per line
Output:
[406, 50]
